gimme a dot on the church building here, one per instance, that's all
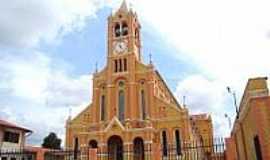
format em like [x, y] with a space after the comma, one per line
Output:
[132, 107]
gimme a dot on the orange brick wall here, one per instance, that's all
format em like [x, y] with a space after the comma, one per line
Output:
[261, 114]
[230, 149]
[255, 123]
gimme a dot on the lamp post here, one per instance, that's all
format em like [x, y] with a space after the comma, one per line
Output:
[234, 99]
[239, 122]
[229, 120]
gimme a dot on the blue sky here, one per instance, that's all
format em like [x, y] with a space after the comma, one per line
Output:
[85, 48]
[48, 51]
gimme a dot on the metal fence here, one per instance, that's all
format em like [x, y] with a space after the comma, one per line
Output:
[17, 155]
[62, 155]
[130, 154]
[186, 150]
[195, 150]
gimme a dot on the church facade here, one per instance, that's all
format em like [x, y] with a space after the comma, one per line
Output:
[132, 107]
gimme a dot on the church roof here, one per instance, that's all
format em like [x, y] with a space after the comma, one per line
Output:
[170, 92]
[115, 121]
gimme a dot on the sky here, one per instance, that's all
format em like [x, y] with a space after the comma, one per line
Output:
[49, 48]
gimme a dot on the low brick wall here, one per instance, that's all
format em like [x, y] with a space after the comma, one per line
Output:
[230, 149]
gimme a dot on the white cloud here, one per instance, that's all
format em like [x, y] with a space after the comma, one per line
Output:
[25, 24]
[207, 96]
[40, 93]
[228, 39]
[35, 90]
[40, 80]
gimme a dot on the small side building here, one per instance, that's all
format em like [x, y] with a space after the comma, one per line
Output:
[250, 136]
[203, 126]
[12, 136]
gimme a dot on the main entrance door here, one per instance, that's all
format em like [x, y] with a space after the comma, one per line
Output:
[115, 148]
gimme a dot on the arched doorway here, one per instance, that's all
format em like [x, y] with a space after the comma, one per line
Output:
[115, 148]
[93, 144]
[138, 148]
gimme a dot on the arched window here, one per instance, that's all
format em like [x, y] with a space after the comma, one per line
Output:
[76, 146]
[164, 143]
[125, 64]
[257, 146]
[137, 35]
[143, 109]
[117, 30]
[115, 66]
[93, 144]
[102, 108]
[120, 65]
[177, 142]
[124, 29]
[121, 102]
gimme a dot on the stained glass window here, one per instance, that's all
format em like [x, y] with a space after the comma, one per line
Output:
[103, 108]
[121, 105]
[143, 110]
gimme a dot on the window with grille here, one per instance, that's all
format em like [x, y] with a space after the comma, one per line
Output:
[11, 137]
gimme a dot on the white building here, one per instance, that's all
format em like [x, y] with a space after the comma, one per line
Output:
[12, 136]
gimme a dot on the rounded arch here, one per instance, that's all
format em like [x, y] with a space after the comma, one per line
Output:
[115, 148]
[138, 148]
[119, 79]
[93, 144]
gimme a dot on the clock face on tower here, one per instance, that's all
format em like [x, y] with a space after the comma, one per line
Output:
[120, 47]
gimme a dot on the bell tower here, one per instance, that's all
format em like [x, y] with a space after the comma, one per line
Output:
[124, 44]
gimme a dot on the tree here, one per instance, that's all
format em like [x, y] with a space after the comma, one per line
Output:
[52, 141]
